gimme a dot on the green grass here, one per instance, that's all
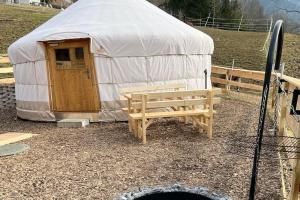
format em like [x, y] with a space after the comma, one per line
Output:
[17, 21]
[246, 48]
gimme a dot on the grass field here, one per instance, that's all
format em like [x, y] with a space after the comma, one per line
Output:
[16, 21]
[246, 48]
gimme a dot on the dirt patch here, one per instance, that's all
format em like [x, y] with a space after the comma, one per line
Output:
[105, 160]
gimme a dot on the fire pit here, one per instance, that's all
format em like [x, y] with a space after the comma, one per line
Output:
[176, 192]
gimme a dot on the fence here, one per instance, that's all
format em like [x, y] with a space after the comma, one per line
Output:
[35, 3]
[286, 109]
[15, 1]
[254, 25]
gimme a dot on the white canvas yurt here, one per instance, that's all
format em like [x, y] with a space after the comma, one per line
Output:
[76, 63]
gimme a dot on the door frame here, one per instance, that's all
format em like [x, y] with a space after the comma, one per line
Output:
[50, 73]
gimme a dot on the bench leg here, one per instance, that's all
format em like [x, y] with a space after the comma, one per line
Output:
[199, 126]
[144, 131]
[139, 129]
[134, 128]
[186, 119]
[209, 129]
[130, 125]
[201, 121]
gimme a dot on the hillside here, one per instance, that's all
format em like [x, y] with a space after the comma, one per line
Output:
[16, 21]
[244, 47]
[247, 50]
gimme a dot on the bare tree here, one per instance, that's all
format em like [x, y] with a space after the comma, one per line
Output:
[284, 9]
[282, 13]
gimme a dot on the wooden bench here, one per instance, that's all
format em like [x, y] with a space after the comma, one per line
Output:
[194, 105]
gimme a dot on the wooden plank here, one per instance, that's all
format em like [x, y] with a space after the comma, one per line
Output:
[152, 88]
[291, 123]
[243, 73]
[4, 59]
[7, 81]
[296, 175]
[217, 91]
[282, 175]
[12, 137]
[175, 94]
[6, 70]
[176, 102]
[172, 94]
[144, 107]
[219, 70]
[293, 81]
[254, 75]
[283, 111]
[181, 113]
[210, 120]
[234, 83]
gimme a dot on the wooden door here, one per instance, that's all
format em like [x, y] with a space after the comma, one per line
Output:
[73, 82]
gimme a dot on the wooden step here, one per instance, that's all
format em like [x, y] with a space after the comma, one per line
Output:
[73, 123]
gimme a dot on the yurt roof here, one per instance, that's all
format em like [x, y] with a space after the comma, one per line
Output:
[117, 28]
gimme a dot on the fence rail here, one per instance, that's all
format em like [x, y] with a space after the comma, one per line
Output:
[256, 25]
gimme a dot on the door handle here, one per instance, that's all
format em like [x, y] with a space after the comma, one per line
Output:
[87, 71]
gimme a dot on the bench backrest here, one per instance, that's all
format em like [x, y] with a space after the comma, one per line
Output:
[173, 99]
[146, 89]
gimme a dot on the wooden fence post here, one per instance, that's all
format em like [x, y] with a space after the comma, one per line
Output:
[227, 86]
[274, 94]
[211, 111]
[296, 173]
[283, 112]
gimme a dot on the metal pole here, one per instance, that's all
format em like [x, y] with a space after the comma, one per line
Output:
[277, 40]
[205, 73]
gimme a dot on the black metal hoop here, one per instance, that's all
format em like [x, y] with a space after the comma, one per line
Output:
[275, 51]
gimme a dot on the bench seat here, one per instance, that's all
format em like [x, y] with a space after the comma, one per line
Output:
[181, 113]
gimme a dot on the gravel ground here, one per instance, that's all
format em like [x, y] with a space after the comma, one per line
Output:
[104, 160]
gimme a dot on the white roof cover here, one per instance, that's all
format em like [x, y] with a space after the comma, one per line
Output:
[117, 28]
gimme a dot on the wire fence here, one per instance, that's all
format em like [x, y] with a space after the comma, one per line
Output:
[6, 1]
[33, 3]
[253, 25]
[15, 1]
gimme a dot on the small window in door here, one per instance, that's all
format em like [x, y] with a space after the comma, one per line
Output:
[63, 59]
[62, 54]
[79, 53]
[77, 57]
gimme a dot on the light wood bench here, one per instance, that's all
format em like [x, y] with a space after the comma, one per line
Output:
[194, 105]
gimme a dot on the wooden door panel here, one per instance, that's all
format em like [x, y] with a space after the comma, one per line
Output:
[73, 84]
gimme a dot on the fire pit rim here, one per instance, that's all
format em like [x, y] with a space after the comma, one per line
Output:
[174, 188]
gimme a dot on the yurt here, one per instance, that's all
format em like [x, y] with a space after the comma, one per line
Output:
[75, 64]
